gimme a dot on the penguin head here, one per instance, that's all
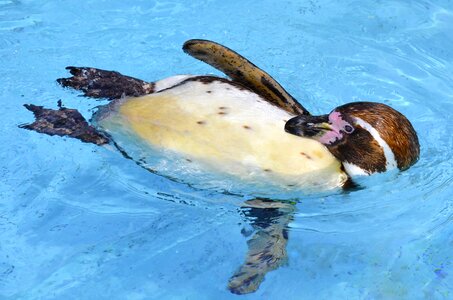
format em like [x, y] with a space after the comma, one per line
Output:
[366, 137]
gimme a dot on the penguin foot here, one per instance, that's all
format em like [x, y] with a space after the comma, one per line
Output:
[267, 252]
[97, 83]
[267, 248]
[245, 282]
[63, 122]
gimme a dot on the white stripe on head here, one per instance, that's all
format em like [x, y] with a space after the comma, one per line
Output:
[388, 153]
[354, 170]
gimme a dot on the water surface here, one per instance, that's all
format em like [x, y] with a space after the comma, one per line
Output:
[81, 222]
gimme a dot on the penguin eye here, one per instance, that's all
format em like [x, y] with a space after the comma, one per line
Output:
[348, 129]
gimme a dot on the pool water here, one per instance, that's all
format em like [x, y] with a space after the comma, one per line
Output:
[81, 222]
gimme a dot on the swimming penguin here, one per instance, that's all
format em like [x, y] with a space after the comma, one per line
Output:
[246, 127]
[237, 127]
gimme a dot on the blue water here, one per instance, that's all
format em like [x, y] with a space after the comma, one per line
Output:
[81, 222]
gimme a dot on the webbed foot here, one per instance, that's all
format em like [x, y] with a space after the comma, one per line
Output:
[245, 282]
[267, 247]
[63, 122]
[97, 83]
[267, 252]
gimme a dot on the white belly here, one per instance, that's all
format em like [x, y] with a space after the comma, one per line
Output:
[198, 127]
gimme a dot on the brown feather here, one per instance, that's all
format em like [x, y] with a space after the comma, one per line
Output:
[393, 127]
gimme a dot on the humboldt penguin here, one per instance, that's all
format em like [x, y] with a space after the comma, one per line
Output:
[248, 128]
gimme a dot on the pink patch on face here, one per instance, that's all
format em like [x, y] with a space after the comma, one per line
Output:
[330, 137]
[337, 125]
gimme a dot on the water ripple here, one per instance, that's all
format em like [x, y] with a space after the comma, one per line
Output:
[82, 222]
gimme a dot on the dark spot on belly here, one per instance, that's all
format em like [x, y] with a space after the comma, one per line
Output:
[291, 185]
[222, 113]
[247, 127]
[189, 160]
[223, 107]
[306, 155]
[208, 92]
[267, 170]
[201, 122]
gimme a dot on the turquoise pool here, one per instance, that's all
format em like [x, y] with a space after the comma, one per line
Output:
[81, 222]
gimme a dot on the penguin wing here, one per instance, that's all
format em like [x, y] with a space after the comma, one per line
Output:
[241, 70]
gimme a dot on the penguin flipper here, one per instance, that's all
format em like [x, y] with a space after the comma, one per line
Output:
[243, 71]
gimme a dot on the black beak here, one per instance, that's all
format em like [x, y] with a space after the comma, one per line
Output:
[307, 126]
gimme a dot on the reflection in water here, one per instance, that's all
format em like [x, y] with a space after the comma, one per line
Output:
[267, 246]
